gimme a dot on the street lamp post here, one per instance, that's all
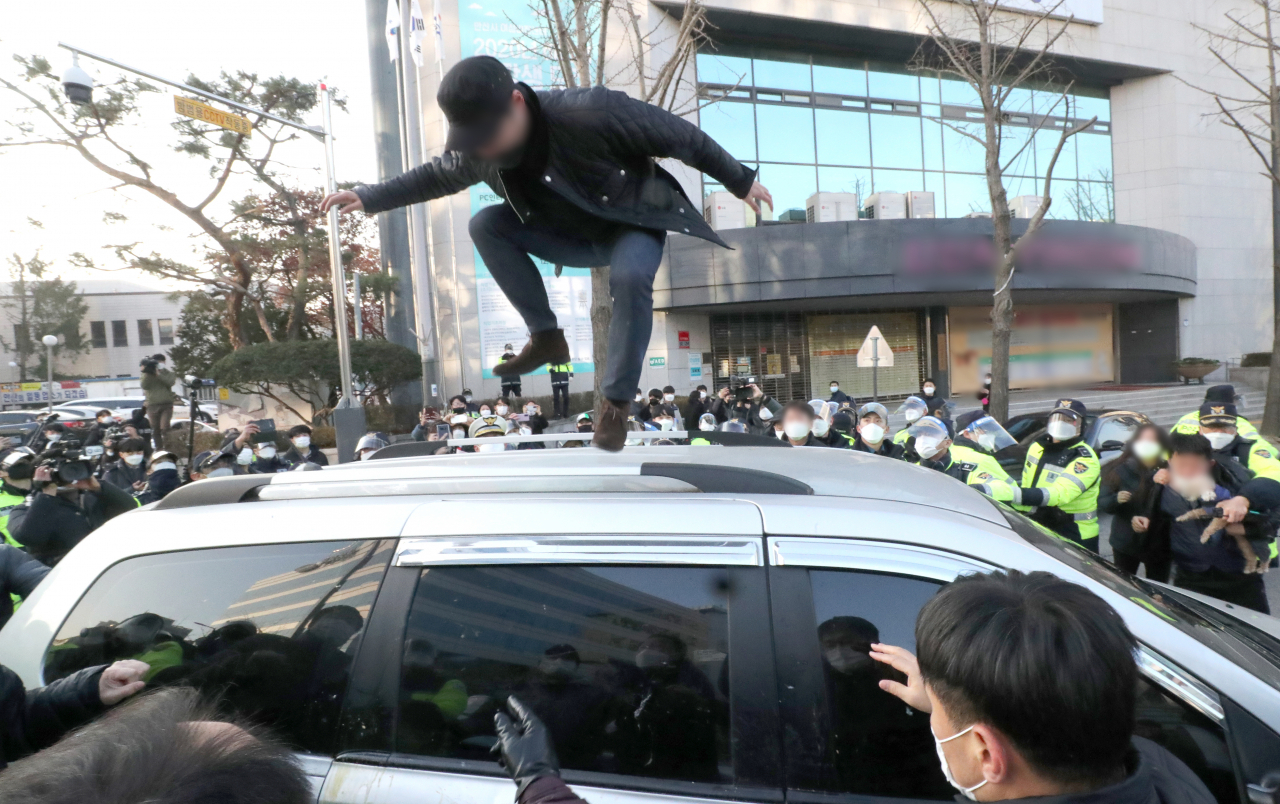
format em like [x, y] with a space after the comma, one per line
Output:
[349, 425]
[49, 342]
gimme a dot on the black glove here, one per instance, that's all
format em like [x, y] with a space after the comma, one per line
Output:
[524, 746]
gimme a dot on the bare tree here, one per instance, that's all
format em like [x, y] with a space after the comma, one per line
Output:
[998, 51]
[651, 62]
[1247, 47]
[1094, 200]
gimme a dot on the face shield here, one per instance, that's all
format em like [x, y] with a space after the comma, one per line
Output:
[912, 409]
[1063, 426]
[989, 435]
[706, 422]
[822, 409]
[733, 426]
[929, 435]
[874, 409]
[369, 442]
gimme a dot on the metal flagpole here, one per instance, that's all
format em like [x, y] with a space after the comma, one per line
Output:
[875, 369]
[335, 259]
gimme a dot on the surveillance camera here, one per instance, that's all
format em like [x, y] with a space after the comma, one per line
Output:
[77, 84]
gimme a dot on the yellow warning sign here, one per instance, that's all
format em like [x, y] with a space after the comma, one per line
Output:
[202, 111]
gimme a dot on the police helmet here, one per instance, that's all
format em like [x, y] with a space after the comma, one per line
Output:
[369, 441]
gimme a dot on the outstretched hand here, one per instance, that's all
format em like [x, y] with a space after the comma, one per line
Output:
[524, 745]
[121, 680]
[346, 200]
[756, 194]
[904, 661]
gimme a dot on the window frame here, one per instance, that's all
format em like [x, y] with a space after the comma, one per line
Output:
[370, 711]
[146, 332]
[119, 332]
[163, 324]
[94, 340]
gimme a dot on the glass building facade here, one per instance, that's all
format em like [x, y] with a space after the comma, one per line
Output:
[813, 123]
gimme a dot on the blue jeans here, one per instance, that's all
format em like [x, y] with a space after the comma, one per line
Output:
[632, 255]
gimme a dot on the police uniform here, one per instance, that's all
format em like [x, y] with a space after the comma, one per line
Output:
[10, 498]
[510, 382]
[561, 373]
[1216, 395]
[984, 473]
[1068, 471]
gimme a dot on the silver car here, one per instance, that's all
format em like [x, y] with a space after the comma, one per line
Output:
[691, 622]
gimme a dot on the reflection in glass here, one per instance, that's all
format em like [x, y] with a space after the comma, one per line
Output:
[845, 180]
[782, 74]
[967, 193]
[1085, 107]
[839, 80]
[270, 630]
[791, 185]
[628, 667]
[931, 135]
[897, 181]
[1018, 157]
[894, 86]
[895, 141]
[733, 126]
[1046, 140]
[843, 138]
[936, 184]
[930, 89]
[962, 154]
[716, 69]
[786, 133]
[1093, 152]
[960, 93]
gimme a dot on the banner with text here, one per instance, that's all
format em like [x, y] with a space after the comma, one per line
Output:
[1050, 346]
[494, 28]
[28, 393]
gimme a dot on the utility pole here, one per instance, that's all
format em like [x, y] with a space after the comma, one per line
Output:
[50, 341]
[421, 240]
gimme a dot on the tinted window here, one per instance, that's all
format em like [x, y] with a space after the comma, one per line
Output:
[165, 325]
[145, 337]
[628, 666]
[878, 745]
[16, 418]
[119, 333]
[1190, 736]
[272, 629]
[98, 334]
[1115, 428]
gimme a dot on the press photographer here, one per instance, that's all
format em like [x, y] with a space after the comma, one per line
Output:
[67, 505]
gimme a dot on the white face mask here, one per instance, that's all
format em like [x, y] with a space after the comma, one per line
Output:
[872, 433]
[364, 456]
[302, 442]
[796, 430]
[103, 419]
[485, 412]
[245, 457]
[928, 447]
[765, 414]
[54, 438]
[835, 388]
[1061, 430]
[491, 447]
[639, 397]
[845, 659]
[669, 397]
[458, 432]
[821, 428]
[967, 792]
[987, 441]
[266, 453]
[912, 415]
[502, 410]
[156, 467]
[702, 394]
[666, 424]
[1220, 440]
[526, 431]
[467, 397]
[222, 471]
[706, 425]
[134, 459]
[1147, 450]
[928, 390]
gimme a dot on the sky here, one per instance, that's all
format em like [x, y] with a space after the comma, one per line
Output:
[318, 41]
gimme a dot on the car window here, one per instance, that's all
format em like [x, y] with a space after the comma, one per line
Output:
[878, 746]
[1024, 427]
[16, 418]
[1115, 428]
[628, 666]
[1189, 735]
[271, 629]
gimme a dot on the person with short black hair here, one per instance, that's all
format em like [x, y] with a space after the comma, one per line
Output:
[128, 473]
[1031, 684]
[168, 747]
[301, 449]
[837, 396]
[797, 425]
[103, 421]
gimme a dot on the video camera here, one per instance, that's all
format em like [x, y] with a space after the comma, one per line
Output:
[741, 390]
[68, 461]
[193, 382]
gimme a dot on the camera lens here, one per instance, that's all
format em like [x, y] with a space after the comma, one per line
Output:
[73, 472]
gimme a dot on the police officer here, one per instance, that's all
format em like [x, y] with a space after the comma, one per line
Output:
[16, 469]
[1067, 469]
[873, 422]
[1216, 395]
[913, 408]
[937, 450]
[706, 424]
[510, 382]
[561, 373]
[1220, 424]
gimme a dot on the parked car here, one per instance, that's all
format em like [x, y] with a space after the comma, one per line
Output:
[17, 424]
[1107, 431]
[375, 613]
[123, 407]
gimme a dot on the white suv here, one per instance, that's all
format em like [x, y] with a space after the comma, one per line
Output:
[670, 612]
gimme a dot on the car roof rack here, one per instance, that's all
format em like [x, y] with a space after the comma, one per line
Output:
[214, 491]
[419, 449]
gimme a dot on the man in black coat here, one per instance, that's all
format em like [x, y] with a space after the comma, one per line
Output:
[20, 574]
[54, 520]
[577, 169]
[33, 720]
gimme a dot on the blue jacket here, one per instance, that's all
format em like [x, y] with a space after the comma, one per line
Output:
[1189, 554]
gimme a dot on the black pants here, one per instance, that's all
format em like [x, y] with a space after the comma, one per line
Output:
[1243, 590]
[1158, 568]
[560, 400]
[510, 389]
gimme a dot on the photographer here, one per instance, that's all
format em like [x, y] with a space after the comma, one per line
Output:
[50, 434]
[69, 503]
[127, 474]
[98, 432]
[157, 386]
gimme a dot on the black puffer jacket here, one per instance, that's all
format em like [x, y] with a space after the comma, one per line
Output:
[602, 147]
[20, 574]
[33, 720]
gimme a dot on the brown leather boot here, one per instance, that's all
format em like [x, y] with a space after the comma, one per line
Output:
[548, 346]
[611, 426]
